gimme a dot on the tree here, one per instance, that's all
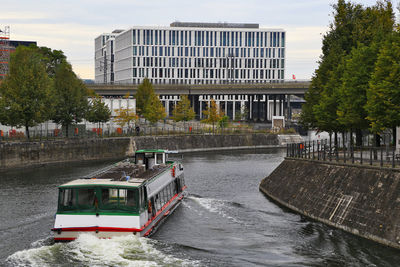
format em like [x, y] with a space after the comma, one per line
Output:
[183, 111]
[154, 110]
[125, 116]
[242, 113]
[334, 101]
[26, 95]
[223, 122]
[51, 59]
[319, 111]
[383, 94]
[71, 96]
[143, 96]
[98, 111]
[353, 91]
[212, 114]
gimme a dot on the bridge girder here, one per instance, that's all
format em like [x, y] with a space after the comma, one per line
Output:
[295, 88]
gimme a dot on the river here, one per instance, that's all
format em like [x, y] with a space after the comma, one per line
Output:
[224, 221]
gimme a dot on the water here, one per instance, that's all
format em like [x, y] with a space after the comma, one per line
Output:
[225, 221]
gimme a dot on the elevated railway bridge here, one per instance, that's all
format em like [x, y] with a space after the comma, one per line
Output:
[258, 101]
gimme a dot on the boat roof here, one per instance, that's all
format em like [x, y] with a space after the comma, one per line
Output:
[121, 174]
[135, 182]
[150, 151]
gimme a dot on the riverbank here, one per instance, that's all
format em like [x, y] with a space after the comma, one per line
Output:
[361, 200]
[15, 155]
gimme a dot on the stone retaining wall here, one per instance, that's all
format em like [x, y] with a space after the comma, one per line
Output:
[192, 143]
[362, 200]
[13, 155]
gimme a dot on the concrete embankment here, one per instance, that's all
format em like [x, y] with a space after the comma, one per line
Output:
[362, 200]
[14, 155]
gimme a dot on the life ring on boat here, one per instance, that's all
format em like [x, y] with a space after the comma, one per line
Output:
[173, 171]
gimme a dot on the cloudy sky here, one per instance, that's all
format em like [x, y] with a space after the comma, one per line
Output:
[72, 25]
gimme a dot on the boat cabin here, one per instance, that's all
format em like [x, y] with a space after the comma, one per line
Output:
[99, 197]
[150, 158]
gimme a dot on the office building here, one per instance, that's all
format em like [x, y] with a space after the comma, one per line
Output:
[191, 53]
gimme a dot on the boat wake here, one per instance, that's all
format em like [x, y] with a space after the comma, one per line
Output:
[217, 206]
[88, 250]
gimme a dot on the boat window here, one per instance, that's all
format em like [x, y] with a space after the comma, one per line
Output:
[86, 197]
[127, 198]
[160, 158]
[140, 159]
[109, 196]
[171, 188]
[67, 198]
[119, 198]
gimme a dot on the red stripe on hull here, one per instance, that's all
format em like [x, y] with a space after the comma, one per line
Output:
[93, 229]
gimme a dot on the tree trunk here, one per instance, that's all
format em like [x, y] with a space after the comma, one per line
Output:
[27, 132]
[336, 140]
[66, 130]
[351, 143]
[358, 137]
[377, 138]
[394, 136]
[343, 141]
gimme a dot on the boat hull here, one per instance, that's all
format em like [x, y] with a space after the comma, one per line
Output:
[64, 234]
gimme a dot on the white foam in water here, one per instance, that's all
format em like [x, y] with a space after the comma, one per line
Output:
[88, 250]
[214, 206]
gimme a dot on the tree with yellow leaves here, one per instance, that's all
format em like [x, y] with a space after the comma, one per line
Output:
[154, 110]
[125, 116]
[212, 114]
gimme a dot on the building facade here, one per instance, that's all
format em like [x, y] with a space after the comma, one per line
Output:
[191, 53]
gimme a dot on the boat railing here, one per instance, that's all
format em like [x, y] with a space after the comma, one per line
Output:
[96, 173]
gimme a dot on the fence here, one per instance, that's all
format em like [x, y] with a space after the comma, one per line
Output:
[384, 156]
[143, 130]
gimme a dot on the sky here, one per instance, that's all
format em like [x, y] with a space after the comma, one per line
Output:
[72, 26]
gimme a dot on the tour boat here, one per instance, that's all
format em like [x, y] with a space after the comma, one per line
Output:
[130, 197]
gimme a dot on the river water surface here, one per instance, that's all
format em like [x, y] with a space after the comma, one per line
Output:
[225, 221]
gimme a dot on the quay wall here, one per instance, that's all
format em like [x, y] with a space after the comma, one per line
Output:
[14, 155]
[362, 200]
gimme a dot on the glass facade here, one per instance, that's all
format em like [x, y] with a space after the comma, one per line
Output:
[199, 55]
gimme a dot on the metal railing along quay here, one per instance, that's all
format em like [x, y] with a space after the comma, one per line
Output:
[143, 130]
[383, 156]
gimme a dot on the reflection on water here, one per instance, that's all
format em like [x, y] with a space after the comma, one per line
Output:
[225, 221]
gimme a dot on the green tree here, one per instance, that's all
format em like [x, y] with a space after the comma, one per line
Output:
[143, 96]
[51, 59]
[26, 95]
[71, 96]
[212, 114]
[98, 112]
[330, 96]
[183, 111]
[241, 114]
[154, 110]
[223, 122]
[319, 111]
[357, 72]
[383, 94]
